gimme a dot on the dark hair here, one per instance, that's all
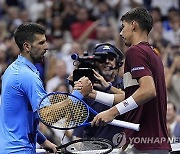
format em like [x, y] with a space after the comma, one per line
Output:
[26, 32]
[141, 16]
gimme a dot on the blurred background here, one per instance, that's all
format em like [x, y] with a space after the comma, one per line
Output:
[75, 26]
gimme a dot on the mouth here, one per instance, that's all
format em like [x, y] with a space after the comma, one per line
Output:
[123, 39]
[107, 68]
[44, 53]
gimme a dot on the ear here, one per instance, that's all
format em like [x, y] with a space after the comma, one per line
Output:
[134, 25]
[27, 46]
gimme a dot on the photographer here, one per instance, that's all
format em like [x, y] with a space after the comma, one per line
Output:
[107, 80]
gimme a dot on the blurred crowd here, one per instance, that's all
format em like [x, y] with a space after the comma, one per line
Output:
[75, 26]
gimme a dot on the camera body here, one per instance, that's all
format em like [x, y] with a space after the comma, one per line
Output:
[86, 63]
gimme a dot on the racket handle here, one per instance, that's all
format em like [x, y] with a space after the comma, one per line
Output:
[125, 124]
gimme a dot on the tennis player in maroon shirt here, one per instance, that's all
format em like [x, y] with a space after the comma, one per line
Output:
[144, 85]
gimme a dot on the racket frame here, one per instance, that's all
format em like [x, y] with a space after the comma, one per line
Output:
[85, 123]
[63, 148]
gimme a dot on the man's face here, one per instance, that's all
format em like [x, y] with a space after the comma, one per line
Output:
[82, 15]
[106, 68]
[126, 33]
[171, 114]
[38, 48]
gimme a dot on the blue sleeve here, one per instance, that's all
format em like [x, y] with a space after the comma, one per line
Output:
[79, 132]
[33, 88]
[77, 94]
[40, 138]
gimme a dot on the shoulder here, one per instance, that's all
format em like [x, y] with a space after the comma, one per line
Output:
[135, 53]
[134, 50]
[28, 78]
[26, 73]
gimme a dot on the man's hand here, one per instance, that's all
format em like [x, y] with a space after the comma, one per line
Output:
[102, 82]
[105, 117]
[84, 85]
[47, 144]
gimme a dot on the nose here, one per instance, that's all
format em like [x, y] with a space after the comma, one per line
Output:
[107, 60]
[46, 46]
[120, 34]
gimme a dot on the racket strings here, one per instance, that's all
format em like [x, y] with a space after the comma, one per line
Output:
[89, 147]
[70, 112]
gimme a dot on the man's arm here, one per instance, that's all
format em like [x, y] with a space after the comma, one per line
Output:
[42, 140]
[143, 94]
[106, 98]
[48, 112]
[146, 90]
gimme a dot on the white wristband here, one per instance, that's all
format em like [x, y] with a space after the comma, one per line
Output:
[104, 98]
[126, 105]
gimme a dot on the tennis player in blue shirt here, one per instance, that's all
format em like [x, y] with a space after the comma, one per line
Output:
[22, 90]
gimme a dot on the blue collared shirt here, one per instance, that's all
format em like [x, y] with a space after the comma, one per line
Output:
[22, 90]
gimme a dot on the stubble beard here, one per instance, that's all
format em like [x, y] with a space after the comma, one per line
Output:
[36, 59]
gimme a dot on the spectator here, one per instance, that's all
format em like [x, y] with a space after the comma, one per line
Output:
[60, 75]
[156, 14]
[104, 13]
[62, 87]
[172, 124]
[159, 42]
[164, 5]
[68, 11]
[81, 24]
[173, 35]
[36, 9]
[171, 12]
[173, 81]
[69, 49]
[3, 64]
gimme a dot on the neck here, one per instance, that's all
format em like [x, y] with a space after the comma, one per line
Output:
[27, 57]
[141, 37]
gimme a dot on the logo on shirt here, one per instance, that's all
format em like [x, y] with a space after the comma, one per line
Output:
[137, 68]
[125, 103]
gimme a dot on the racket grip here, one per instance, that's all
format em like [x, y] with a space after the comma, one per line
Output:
[125, 124]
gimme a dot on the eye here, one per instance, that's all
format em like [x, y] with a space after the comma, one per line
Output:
[42, 42]
[110, 57]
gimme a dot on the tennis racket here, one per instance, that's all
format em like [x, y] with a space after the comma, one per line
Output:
[86, 146]
[65, 111]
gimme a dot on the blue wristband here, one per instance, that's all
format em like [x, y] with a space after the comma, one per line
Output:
[40, 138]
[109, 87]
[77, 94]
